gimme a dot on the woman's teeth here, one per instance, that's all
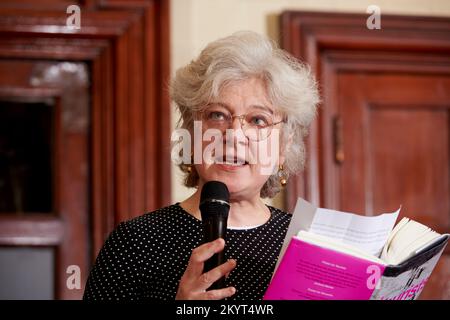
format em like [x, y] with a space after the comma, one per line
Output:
[235, 163]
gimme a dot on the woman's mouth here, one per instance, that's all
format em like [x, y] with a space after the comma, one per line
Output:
[231, 164]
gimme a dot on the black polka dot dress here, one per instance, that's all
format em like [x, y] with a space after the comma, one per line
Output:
[144, 258]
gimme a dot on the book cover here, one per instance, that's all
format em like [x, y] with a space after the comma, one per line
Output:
[310, 267]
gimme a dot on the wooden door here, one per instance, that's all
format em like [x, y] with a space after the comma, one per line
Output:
[395, 145]
[44, 229]
[382, 136]
[395, 151]
[84, 135]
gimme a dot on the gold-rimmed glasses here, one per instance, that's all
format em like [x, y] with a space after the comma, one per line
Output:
[257, 124]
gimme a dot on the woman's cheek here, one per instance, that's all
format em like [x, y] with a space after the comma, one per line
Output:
[264, 155]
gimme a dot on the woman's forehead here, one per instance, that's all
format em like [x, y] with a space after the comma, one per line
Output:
[244, 94]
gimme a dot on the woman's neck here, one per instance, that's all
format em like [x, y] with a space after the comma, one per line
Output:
[243, 213]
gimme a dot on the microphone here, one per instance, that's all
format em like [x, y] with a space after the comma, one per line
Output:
[214, 208]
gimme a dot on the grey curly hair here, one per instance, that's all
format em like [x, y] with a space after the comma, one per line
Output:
[291, 88]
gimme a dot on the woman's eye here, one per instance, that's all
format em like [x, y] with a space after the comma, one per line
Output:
[259, 121]
[216, 116]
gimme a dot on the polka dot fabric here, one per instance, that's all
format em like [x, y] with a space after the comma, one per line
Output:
[144, 258]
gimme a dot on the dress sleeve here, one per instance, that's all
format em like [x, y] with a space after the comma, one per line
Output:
[115, 274]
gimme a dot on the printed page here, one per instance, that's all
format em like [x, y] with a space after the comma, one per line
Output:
[368, 233]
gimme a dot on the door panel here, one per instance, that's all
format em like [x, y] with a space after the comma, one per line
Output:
[396, 148]
[27, 273]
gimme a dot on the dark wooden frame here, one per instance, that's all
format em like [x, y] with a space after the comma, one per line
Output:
[126, 45]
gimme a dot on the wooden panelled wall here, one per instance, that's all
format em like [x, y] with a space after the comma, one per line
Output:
[118, 166]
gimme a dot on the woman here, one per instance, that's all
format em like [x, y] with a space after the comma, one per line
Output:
[253, 92]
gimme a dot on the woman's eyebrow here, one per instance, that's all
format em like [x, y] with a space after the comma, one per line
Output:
[256, 106]
[262, 107]
[221, 104]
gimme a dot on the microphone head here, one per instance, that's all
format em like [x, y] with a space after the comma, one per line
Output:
[214, 199]
[215, 190]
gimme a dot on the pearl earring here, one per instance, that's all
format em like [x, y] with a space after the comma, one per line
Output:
[282, 176]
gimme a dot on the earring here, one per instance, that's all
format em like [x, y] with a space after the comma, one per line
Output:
[188, 167]
[282, 176]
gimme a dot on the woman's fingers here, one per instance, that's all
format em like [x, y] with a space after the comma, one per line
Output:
[200, 255]
[194, 282]
[208, 278]
[216, 294]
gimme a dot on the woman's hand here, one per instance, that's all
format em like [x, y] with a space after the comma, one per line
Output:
[194, 282]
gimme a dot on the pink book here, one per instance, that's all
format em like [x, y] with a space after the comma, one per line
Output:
[336, 255]
[310, 272]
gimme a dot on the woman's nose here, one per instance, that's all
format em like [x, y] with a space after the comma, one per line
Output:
[235, 132]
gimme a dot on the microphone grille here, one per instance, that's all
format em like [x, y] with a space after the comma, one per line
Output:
[214, 201]
[215, 190]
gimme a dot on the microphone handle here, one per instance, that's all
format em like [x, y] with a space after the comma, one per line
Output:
[214, 229]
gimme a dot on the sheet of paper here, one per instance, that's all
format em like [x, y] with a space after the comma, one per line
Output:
[368, 233]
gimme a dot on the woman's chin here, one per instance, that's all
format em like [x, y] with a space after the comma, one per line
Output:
[234, 183]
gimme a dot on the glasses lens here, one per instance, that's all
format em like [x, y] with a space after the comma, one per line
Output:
[257, 134]
[257, 124]
[216, 118]
[258, 120]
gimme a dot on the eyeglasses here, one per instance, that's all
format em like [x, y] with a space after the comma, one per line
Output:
[257, 124]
